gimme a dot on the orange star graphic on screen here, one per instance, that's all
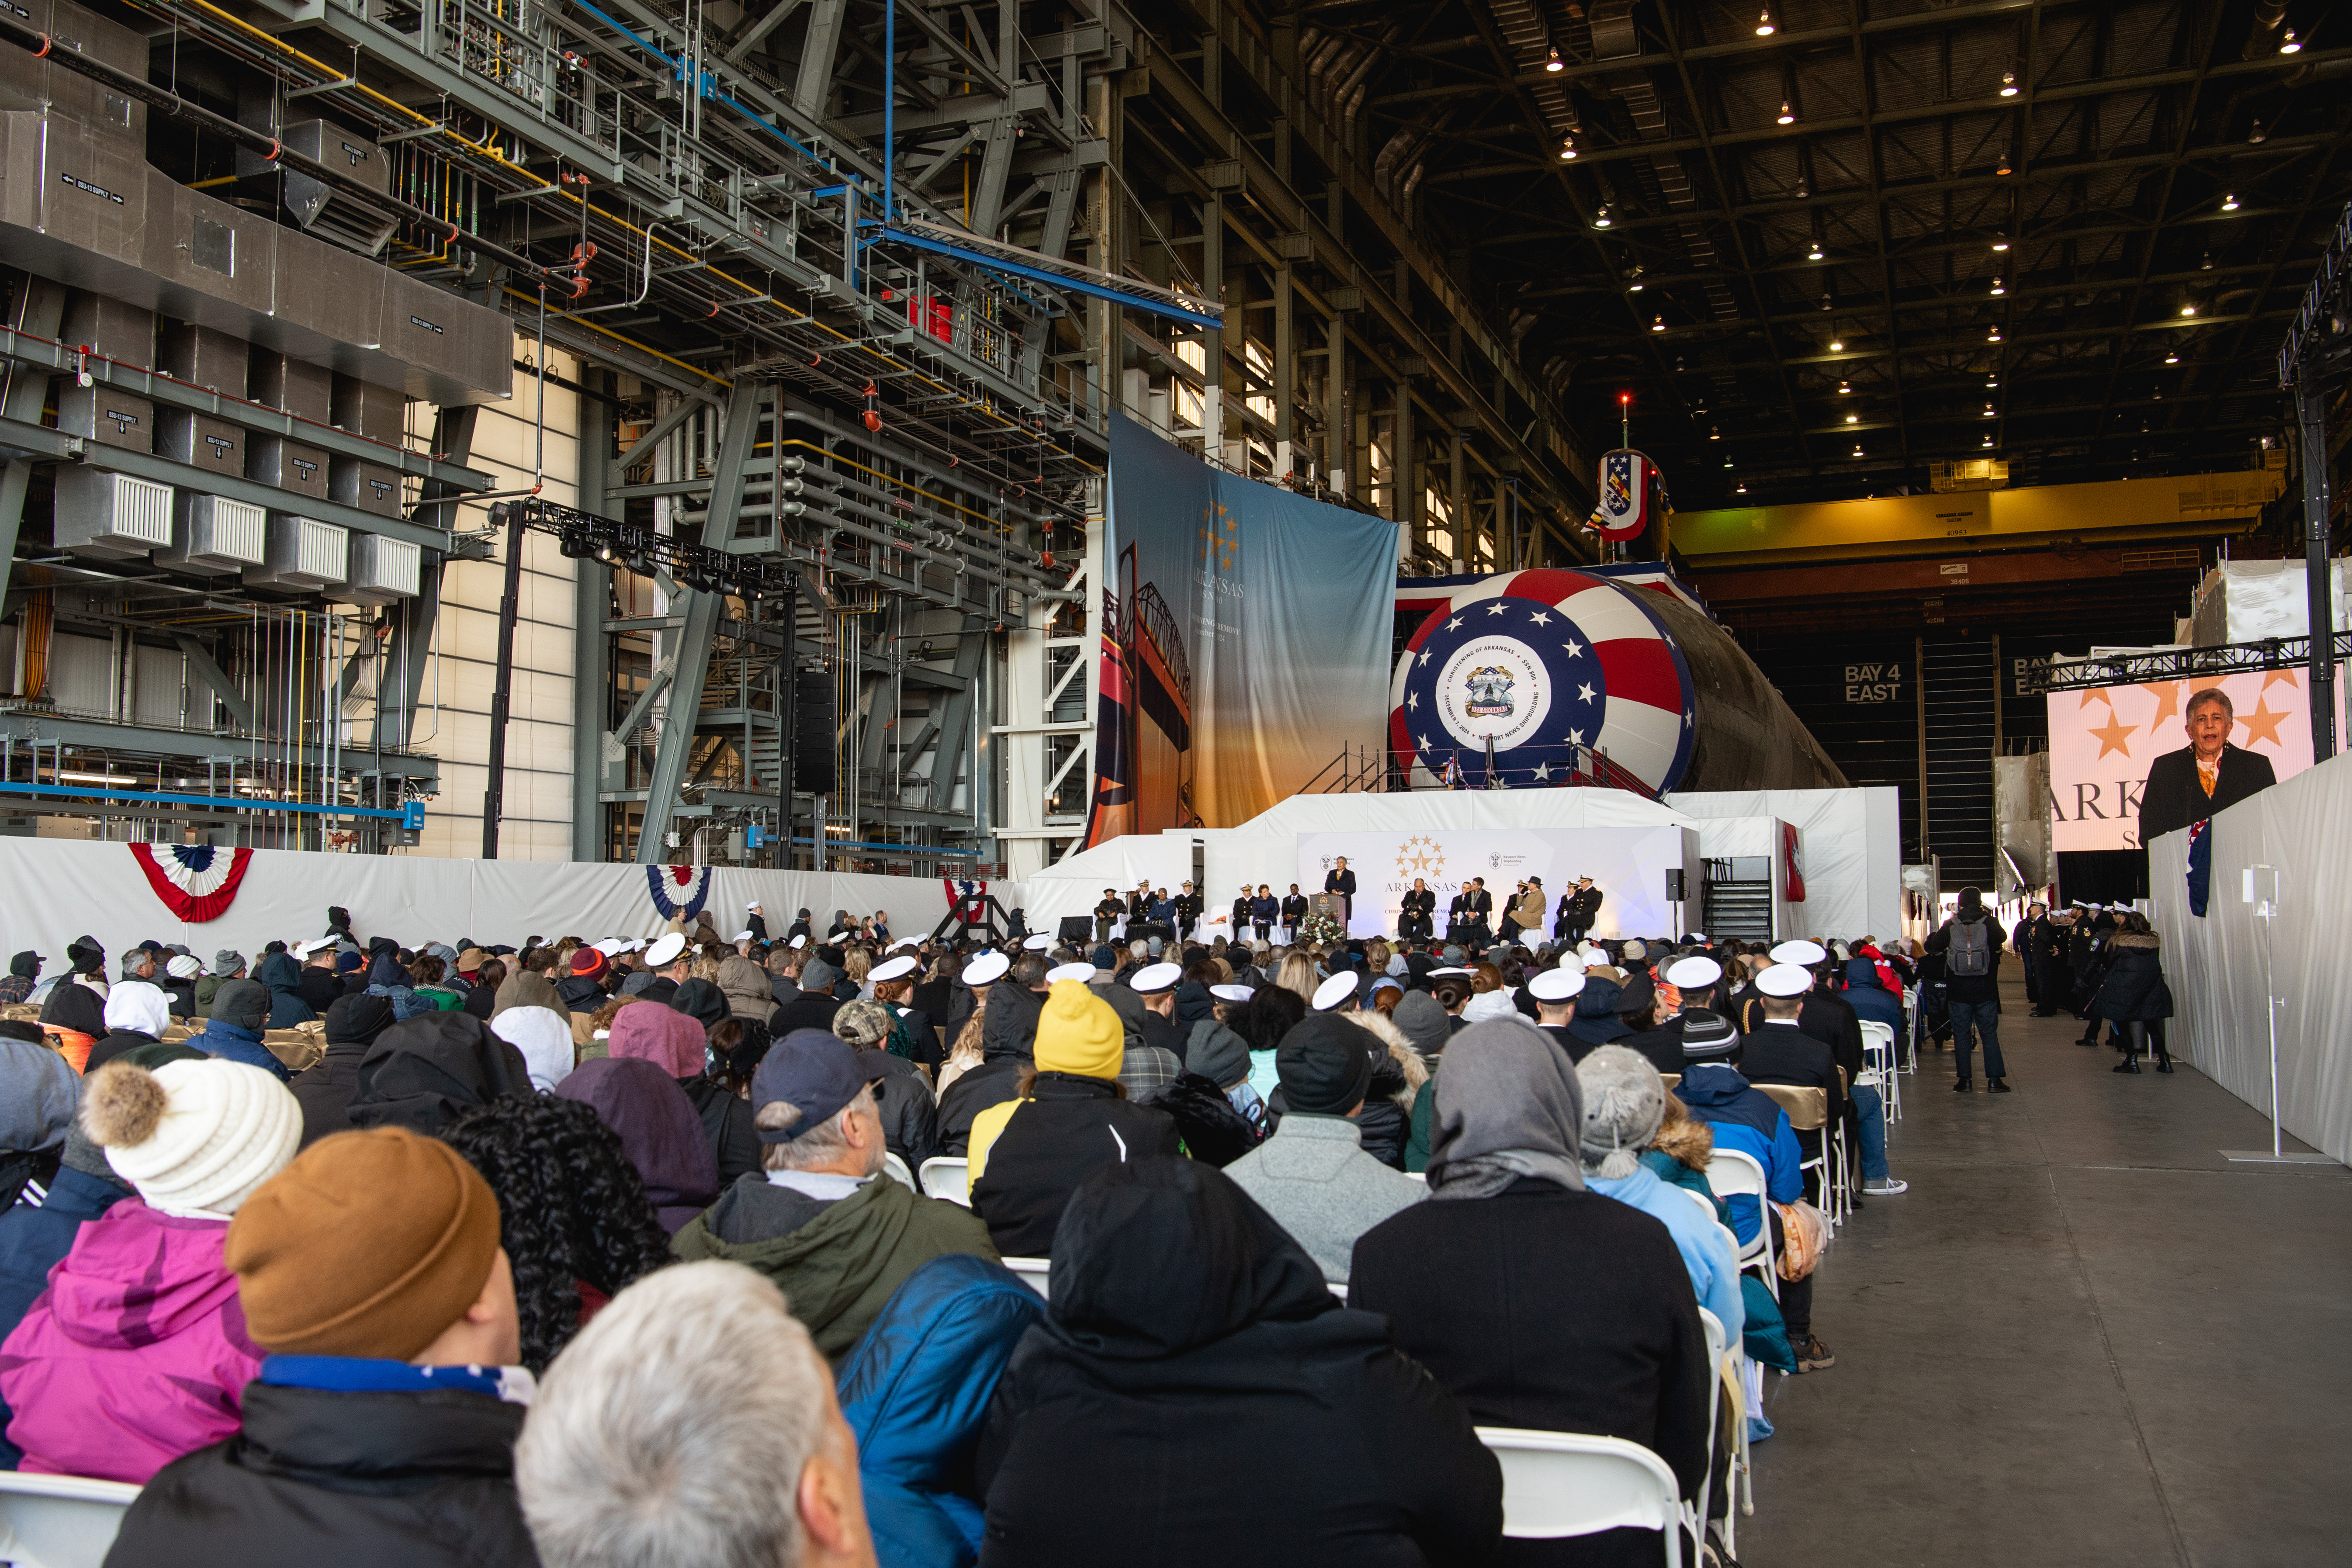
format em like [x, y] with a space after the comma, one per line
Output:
[2111, 736]
[2286, 675]
[2262, 724]
[2097, 694]
[2168, 696]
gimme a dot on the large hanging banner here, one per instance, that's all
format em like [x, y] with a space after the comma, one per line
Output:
[1248, 645]
[1629, 865]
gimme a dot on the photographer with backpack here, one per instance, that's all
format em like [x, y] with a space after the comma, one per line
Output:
[1970, 944]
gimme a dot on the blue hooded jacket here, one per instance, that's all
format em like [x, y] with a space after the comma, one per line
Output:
[1595, 1021]
[1871, 1001]
[913, 1392]
[1746, 1119]
[34, 1236]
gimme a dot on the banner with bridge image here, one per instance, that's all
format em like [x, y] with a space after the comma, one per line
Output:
[1245, 642]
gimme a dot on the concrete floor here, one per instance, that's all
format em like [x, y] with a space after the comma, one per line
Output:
[2081, 1337]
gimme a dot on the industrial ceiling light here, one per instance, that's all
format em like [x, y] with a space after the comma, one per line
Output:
[2000, 245]
[1552, 62]
[2230, 202]
[2187, 309]
[1988, 412]
[1853, 418]
[1764, 27]
[1999, 287]
[1567, 148]
[2206, 266]
[1743, 488]
[2009, 84]
[1988, 440]
[1993, 336]
[2258, 135]
[1844, 387]
[1827, 303]
[1727, 462]
[1857, 449]
[1992, 380]
[1600, 218]
[2288, 43]
[2172, 359]
[1816, 252]
[1837, 345]
[1788, 113]
[1658, 324]
[1715, 433]
[2003, 167]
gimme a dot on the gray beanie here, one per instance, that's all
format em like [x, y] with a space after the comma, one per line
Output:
[1624, 1100]
[244, 1003]
[227, 961]
[1424, 1023]
[818, 975]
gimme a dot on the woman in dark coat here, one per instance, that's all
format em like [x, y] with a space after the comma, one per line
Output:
[284, 977]
[2133, 994]
[1535, 1302]
[326, 1086]
[1192, 1361]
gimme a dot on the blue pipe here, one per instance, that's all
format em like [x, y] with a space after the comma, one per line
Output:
[889, 105]
[1143, 302]
[703, 86]
[229, 802]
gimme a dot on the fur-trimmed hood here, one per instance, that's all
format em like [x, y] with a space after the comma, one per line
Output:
[1690, 1141]
[1409, 1061]
[2147, 941]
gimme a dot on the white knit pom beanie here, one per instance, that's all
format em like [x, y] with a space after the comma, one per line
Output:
[195, 1138]
[1624, 1100]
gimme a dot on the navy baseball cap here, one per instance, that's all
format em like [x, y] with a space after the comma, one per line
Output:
[815, 1069]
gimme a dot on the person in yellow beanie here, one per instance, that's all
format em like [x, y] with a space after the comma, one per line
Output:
[1029, 1154]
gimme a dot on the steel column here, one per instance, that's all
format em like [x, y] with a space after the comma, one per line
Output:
[676, 744]
[2311, 410]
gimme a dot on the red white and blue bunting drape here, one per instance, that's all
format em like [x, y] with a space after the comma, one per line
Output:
[196, 881]
[678, 891]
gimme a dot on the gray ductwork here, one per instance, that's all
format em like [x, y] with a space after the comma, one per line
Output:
[81, 206]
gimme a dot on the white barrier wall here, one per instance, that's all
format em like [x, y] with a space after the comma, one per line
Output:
[53, 890]
[2303, 826]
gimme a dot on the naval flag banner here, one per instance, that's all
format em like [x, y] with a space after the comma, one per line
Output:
[1627, 478]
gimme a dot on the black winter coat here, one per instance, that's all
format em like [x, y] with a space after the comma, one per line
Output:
[1560, 1310]
[2134, 990]
[1196, 1396]
[910, 1117]
[1070, 1126]
[400, 1480]
[727, 1123]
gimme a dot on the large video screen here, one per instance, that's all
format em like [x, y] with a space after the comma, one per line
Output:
[2102, 741]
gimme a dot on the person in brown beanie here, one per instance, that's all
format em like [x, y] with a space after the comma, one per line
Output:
[370, 1270]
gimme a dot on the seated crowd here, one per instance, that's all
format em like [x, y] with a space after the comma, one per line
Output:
[615, 1253]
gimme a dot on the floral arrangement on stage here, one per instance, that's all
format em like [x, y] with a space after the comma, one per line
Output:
[1322, 928]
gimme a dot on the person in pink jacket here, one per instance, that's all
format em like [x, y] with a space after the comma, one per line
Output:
[137, 1352]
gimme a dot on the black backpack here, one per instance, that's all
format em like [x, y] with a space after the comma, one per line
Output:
[1971, 951]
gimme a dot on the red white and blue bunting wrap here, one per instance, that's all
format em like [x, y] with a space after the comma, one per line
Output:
[195, 881]
[967, 901]
[1548, 664]
[669, 885]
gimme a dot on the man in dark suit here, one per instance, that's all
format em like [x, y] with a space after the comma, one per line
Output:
[1340, 881]
[1477, 910]
[1413, 922]
[2204, 776]
[1294, 909]
[1109, 914]
[1580, 907]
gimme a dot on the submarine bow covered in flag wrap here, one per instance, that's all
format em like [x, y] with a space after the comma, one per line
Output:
[1614, 675]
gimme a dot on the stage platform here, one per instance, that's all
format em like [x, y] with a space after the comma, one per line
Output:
[1833, 856]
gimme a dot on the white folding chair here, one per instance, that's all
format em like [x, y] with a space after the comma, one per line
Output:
[1034, 1273]
[59, 1521]
[1879, 1070]
[1717, 1349]
[948, 1176]
[897, 1170]
[1562, 1484]
[1914, 1026]
[1736, 1175]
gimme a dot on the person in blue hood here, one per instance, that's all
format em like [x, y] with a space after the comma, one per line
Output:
[1744, 1117]
[1869, 997]
[240, 1014]
[914, 1392]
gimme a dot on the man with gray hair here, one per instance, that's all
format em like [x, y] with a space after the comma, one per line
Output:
[820, 1218]
[691, 1426]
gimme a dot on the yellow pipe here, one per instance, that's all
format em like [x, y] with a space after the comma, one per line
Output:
[888, 479]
